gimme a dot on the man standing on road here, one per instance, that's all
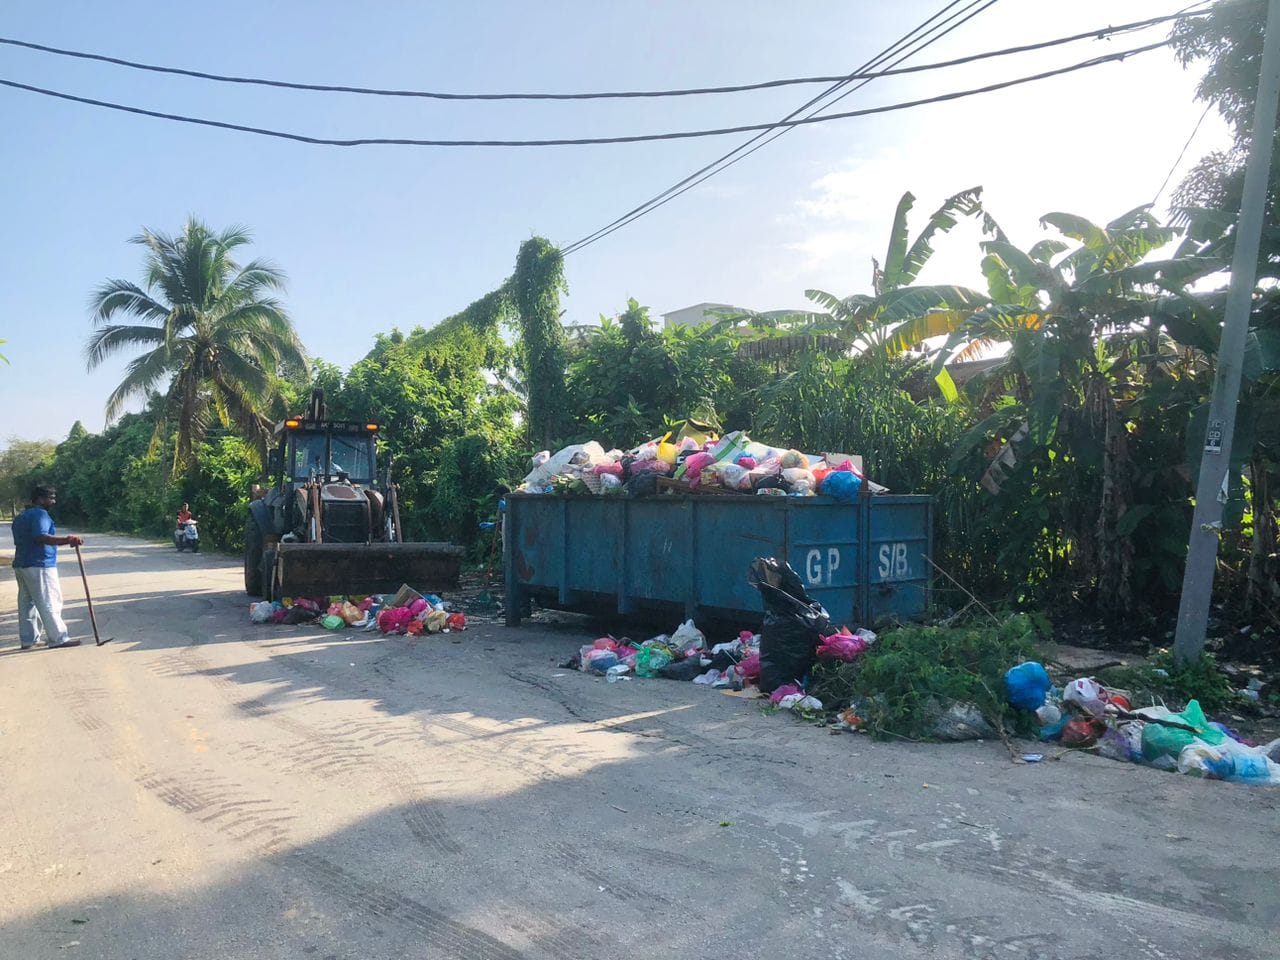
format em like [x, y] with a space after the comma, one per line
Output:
[35, 565]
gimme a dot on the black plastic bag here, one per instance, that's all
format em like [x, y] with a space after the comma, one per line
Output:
[642, 485]
[685, 669]
[794, 624]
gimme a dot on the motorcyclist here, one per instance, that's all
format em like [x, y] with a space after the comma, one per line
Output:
[184, 515]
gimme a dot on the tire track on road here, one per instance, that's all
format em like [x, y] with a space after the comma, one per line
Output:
[262, 824]
[324, 753]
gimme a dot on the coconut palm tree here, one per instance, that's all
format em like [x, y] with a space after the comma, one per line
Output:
[212, 336]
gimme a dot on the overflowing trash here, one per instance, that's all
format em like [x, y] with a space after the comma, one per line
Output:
[775, 663]
[695, 459]
[407, 612]
[1084, 714]
[940, 683]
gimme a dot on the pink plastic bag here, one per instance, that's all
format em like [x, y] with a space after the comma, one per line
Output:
[786, 690]
[693, 468]
[651, 466]
[395, 620]
[749, 668]
[841, 646]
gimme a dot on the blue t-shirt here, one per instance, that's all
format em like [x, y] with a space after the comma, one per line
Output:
[27, 550]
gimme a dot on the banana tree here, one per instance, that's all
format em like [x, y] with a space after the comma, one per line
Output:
[867, 322]
[1074, 323]
[876, 320]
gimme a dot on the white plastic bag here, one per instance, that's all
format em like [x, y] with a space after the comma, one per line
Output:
[260, 612]
[687, 635]
[798, 701]
[578, 453]
[735, 477]
[1086, 694]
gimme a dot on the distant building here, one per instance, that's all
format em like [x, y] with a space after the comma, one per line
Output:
[698, 315]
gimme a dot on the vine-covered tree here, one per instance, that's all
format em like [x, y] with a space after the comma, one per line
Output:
[212, 334]
[536, 287]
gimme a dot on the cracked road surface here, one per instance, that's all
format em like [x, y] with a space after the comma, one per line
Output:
[207, 788]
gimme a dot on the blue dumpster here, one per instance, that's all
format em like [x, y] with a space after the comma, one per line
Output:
[689, 554]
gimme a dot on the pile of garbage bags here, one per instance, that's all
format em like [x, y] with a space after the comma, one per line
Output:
[407, 612]
[702, 462]
[736, 664]
[777, 662]
[1085, 714]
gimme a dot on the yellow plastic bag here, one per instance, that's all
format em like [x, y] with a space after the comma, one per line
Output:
[697, 431]
[667, 451]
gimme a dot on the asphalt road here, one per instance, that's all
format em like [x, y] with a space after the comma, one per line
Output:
[207, 788]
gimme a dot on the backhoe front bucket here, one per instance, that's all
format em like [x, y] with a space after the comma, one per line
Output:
[331, 569]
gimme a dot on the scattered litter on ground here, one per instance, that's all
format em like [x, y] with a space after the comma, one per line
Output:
[950, 683]
[407, 612]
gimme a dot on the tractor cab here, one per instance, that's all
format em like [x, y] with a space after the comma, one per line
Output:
[328, 524]
[325, 480]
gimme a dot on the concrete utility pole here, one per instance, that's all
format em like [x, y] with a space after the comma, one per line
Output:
[1206, 524]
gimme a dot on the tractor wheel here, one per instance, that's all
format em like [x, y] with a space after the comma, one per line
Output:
[252, 559]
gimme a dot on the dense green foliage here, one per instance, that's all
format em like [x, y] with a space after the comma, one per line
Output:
[17, 459]
[627, 381]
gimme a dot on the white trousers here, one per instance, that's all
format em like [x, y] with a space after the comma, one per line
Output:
[39, 602]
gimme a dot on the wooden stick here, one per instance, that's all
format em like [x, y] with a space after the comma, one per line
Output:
[994, 618]
[89, 600]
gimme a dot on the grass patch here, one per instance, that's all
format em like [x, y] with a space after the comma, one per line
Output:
[912, 674]
[1163, 681]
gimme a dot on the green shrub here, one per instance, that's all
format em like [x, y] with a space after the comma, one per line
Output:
[1163, 680]
[912, 674]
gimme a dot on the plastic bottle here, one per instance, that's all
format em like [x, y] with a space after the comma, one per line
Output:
[617, 672]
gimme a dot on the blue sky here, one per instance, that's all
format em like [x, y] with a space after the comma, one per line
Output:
[377, 237]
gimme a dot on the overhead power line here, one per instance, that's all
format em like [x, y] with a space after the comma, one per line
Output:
[752, 144]
[580, 141]
[903, 49]
[1096, 34]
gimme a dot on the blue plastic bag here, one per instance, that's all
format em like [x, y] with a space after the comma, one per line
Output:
[1026, 685]
[841, 485]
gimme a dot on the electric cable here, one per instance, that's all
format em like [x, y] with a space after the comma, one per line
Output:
[584, 141]
[1182, 153]
[1096, 34]
[750, 146]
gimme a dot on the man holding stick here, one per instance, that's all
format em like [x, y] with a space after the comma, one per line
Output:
[35, 565]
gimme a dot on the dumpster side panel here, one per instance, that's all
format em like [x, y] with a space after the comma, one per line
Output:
[862, 560]
[730, 534]
[593, 545]
[824, 546]
[898, 543]
[659, 548]
[534, 534]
